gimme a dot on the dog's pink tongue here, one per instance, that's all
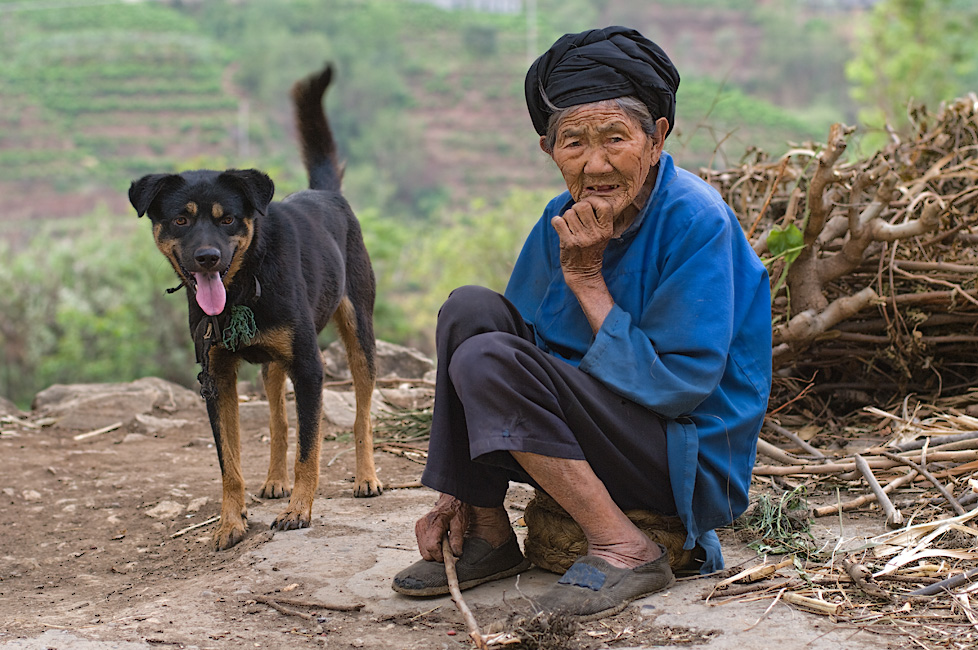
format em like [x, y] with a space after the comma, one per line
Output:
[210, 293]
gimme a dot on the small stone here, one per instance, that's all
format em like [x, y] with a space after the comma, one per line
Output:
[31, 495]
[197, 504]
[165, 510]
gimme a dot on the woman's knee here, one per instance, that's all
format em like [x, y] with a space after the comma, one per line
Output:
[466, 303]
[484, 356]
[472, 310]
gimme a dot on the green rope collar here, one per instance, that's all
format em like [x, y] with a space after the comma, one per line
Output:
[241, 329]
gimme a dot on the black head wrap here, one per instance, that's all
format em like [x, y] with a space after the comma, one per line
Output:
[601, 64]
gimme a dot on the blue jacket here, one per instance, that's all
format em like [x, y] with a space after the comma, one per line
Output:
[689, 337]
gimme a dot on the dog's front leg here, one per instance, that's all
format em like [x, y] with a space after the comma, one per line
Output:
[223, 413]
[307, 376]
[276, 483]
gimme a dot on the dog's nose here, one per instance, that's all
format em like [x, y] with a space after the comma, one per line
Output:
[207, 257]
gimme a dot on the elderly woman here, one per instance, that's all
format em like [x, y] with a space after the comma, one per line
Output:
[628, 364]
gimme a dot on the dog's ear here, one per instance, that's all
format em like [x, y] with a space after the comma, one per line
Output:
[143, 192]
[255, 186]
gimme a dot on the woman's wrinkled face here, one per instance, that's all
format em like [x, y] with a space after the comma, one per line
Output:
[602, 151]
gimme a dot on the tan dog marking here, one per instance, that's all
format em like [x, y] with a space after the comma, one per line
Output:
[217, 210]
[191, 209]
[168, 248]
[234, 514]
[278, 342]
[276, 483]
[299, 512]
[241, 244]
[366, 483]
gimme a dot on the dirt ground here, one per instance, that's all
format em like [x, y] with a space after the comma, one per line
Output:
[97, 552]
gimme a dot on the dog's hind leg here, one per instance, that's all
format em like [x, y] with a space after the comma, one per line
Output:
[276, 484]
[223, 413]
[360, 354]
[307, 376]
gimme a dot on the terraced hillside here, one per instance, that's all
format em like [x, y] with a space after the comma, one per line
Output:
[92, 96]
[428, 104]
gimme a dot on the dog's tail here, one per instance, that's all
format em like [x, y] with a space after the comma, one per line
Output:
[315, 137]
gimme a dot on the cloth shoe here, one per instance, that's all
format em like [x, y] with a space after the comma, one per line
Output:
[593, 589]
[479, 563]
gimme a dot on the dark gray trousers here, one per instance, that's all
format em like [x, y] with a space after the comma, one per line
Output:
[497, 392]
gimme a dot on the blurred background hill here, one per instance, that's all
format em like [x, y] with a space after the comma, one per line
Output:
[442, 164]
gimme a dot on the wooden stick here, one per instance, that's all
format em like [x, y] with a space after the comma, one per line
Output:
[184, 531]
[813, 604]
[893, 517]
[950, 583]
[794, 438]
[271, 602]
[740, 590]
[858, 502]
[778, 454]
[930, 477]
[470, 622]
[934, 441]
[862, 577]
[313, 604]
[404, 486]
[875, 463]
[98, 432]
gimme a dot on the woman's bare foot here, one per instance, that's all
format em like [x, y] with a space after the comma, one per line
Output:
[627, 555]
[490, 524]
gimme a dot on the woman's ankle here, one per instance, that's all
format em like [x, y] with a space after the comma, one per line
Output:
[490, 524]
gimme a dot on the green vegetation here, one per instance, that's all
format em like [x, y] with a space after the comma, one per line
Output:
[780, 525]
[913, 51]
[709, 113]
[135, 66]
[87, 302]
[474, 246]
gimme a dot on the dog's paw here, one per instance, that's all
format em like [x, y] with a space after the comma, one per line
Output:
[291, 520]
[275, 490]
[229, 534]
[371, 487]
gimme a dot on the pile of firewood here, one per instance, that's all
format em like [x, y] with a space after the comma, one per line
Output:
[873, 261]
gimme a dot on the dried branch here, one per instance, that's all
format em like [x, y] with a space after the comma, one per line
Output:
[930, 477]
[893, 517]
[453, 587]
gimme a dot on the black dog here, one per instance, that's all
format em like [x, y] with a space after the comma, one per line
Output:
[263, 279]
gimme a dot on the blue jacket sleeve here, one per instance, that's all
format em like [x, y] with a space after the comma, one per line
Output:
[673, 356]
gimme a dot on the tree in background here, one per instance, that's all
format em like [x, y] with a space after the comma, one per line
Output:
[913, 51]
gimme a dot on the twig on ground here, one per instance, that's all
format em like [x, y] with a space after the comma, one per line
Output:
[794, 438]
[950, 583]
[778, 454]
[894, 519]
[184, 531]
[858, 502]
[863, 577]
[98, 432]
[315, 604]
[470, 622]
[288, 611]
[930, 477]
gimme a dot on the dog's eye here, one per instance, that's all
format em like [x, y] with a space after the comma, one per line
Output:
[227, 220]
[181, 221]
